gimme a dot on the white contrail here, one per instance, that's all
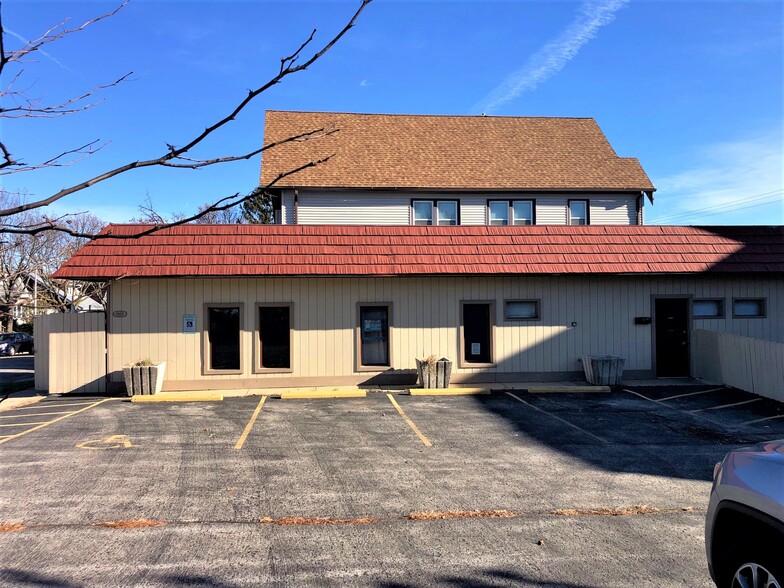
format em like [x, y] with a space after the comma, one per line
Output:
[552, 58]
[41, 51]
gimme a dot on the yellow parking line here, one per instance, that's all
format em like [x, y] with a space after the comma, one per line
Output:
[10, 437]
[249, 426]
[410, 423]
[24, 424]
[37, 414]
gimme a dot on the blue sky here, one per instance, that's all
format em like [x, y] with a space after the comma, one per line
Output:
[692, 89]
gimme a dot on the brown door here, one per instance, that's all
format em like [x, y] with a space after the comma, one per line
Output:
[476, 333]
[672, 337]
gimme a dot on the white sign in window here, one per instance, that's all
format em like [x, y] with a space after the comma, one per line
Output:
[476, 348]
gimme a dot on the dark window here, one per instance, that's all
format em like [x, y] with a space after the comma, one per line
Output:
[374, 335]
[521, 310]
[275, 337]
[713, 308]
[224, 337]
[748, 308]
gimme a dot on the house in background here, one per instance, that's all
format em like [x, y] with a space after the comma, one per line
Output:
[33, 295]
[510, 292]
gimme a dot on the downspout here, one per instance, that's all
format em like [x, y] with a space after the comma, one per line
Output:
[296, 206]
[640, 203]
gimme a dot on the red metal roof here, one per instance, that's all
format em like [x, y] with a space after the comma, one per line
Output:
[302, 250]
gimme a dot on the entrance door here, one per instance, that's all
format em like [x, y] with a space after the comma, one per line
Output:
[476, 333]
[672, 337]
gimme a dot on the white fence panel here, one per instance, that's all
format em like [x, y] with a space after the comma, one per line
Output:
[754, 365]
[70, 352]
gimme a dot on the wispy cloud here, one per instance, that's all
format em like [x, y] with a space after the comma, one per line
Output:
[41, 51]
[552, 58]
[733, 182]
[364, 84]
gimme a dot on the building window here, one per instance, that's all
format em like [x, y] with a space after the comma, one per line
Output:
[579, 212]
[713, 308]
[748, 308]
[521, 310]
[514, 212]
[522, 212]
[274, 338]
[439, 212]
[222, 338]
[373, 337]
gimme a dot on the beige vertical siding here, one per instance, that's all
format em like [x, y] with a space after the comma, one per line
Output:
[425, 319]
[70, 352]
[41, 328]
[393, 208]
[754, 365]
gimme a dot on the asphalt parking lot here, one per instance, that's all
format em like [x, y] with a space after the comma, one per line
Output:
[576, 490]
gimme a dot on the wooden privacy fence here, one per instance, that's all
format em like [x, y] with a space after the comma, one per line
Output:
[754, 365]
[70, 352]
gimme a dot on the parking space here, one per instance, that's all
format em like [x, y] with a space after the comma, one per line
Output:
[387, 490]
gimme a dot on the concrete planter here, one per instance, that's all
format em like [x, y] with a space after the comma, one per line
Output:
[144, 379]
[435, 375]
[603, 370]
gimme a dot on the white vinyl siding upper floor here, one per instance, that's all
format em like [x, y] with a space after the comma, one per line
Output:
[394, 208]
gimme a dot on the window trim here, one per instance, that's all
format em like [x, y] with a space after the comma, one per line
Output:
[206, 370]
[510, 212]
[763, 303]
[461, 362]
[721, 313]
[358, 366]
[569, 211]
[537, 302]
[434, 209]
[257, 367]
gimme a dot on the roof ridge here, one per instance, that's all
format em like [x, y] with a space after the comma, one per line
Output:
[422, 114]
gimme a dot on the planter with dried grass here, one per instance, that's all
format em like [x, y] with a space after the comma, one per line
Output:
[144, 377]
[434, 372]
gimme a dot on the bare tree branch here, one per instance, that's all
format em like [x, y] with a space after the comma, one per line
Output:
[50, 36]
[33, 109]
[46, 224]
[173, 153]
[84, 151]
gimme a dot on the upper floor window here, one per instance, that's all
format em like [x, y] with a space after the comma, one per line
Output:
[578, 212]
[435, 212]
[510, 212]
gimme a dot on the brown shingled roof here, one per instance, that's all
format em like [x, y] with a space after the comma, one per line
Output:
[320, 250]
[448, 153]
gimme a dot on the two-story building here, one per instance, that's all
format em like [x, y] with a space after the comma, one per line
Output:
[511, 245]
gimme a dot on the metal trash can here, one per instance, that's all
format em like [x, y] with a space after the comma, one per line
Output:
[603, 370]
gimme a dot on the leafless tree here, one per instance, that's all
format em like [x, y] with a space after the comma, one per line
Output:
[28, 261]
[16, 103]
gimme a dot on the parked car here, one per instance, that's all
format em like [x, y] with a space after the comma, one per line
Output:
[13, 343]
[744, 527]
